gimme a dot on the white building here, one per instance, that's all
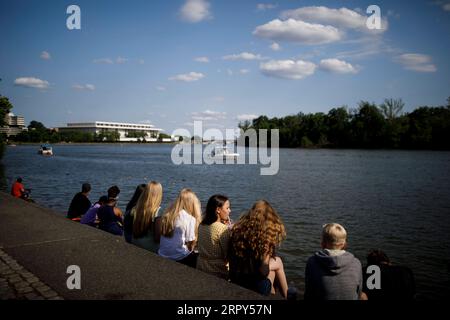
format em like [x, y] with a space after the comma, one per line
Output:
[14, 125]
[127, 131]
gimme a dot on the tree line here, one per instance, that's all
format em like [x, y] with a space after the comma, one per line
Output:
[367, 126]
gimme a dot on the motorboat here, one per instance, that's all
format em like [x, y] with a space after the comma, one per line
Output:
[224, 153]
[46, 150]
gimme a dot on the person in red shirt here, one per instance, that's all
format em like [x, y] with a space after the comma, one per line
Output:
[18, 190]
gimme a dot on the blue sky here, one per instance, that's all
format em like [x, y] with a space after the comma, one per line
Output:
[172, 62]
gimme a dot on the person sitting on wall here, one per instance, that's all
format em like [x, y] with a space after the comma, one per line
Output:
[214, 237]
[80, 203]
[110, 217]
[90, 217]
[146, 219]
[396, 282]
[333, 273]
[128, 218]
[252, 256]
[179, 229]
[18, 190]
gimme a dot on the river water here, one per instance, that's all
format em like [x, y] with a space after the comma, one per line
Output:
[397, 201]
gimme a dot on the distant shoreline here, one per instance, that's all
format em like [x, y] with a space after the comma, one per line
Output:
[89, 143]
[174, 143]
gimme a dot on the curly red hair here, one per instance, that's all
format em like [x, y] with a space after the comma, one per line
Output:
[259, 231]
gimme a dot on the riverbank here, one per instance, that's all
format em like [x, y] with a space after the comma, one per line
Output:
[46, 244]
[13, 144]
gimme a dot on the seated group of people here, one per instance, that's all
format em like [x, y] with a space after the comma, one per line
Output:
[243, 252]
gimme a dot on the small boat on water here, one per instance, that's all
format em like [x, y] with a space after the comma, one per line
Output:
[224, 153]
[46, 150]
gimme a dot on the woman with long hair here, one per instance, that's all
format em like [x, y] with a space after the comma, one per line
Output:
[252, 256]
[145, 213]
[214, 236]
[128, 219]
[179, 229]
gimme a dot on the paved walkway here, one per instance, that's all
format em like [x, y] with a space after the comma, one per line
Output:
[17, 283]
[38, 245]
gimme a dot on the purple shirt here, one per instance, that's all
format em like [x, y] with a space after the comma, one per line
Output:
[91, 215]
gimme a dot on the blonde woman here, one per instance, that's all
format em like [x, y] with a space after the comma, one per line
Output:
[253, 261]
[214, 236]
[145, 217]
[179, 229]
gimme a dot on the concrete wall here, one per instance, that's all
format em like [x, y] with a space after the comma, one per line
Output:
[46, 243]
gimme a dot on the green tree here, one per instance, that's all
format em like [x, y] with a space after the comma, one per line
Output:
[136, 134]
[392, 108]
[395, 125]
[163, 136]
[368, 126]
[108, 136]
[5, 108]
[338, 124]
[36, 125]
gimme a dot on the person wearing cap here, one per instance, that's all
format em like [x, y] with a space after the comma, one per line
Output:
[110, 217]
[80, 203]
[333, 273]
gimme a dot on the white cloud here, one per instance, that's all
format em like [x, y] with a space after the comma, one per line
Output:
[341, 18]
[87, 86]
[265, 6]
[370, 46]
[275, 46]
[416, 62]
[244, 71]
[45, 55]
[31, 82]
[288, 69]
[230, 72]
[446, 7]
[121, 60]
[145, 121]
[337, 66]
[141, 61]
[243, 56]
[188, 77]
[208, 115]
[298, 31]
[195, 11]
[202, 59]
[160, 88]
[246, 117]
[104, 60]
